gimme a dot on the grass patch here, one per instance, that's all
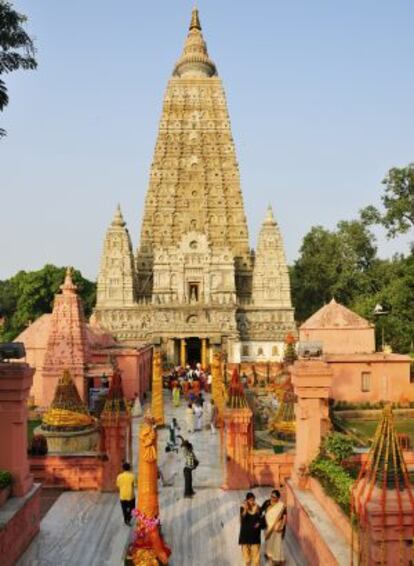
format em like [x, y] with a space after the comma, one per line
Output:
[366, 429]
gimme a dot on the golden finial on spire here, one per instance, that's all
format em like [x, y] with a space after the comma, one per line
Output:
[195, 20]
[194, 60]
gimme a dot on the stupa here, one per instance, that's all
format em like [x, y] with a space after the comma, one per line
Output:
[194, 284]
[67, 424]
[383, 500]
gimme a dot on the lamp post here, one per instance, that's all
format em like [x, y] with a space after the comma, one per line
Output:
[378, 312]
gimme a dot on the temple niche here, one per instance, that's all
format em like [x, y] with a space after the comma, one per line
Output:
[194, 282]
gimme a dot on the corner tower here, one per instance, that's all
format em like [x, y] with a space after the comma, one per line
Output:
[194, 181]
[271, 284]
[116, 281]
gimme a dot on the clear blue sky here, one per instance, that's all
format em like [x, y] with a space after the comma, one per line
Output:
[320, 95]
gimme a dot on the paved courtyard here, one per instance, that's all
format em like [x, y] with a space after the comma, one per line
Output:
[86, 528]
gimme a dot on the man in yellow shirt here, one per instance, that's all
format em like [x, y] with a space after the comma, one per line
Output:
[125, 484]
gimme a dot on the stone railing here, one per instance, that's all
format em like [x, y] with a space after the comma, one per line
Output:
[268, 468]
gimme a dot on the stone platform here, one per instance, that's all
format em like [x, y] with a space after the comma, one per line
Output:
[86, 529]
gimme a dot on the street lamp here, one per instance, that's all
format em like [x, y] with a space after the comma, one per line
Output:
[378, 312]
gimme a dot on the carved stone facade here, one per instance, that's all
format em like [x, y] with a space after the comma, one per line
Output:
[195, 276]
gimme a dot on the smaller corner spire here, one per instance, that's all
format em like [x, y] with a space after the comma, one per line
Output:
[269, 219]
[195, 19]
[68, 286]
[118, 218]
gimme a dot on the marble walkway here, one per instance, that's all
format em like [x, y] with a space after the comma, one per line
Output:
[86, 528]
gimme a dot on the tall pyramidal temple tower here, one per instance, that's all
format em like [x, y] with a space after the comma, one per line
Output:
[194, 281]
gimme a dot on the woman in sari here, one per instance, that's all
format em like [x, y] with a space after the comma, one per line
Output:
[275, 518]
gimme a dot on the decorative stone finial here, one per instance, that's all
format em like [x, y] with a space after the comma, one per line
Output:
[195, 20]
[194, 61]
[68, 286]
[115, 404]
[236, 396]
[118, 218]
[269, 219]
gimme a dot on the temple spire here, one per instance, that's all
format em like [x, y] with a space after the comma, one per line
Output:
[271, 285]
[269, 219]
[195, 20]
[118, 218]
[68, 286]
[194, 61]
[116, 280]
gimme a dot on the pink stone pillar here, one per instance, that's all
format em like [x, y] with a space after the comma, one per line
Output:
[117, 434]
[312, 381]
[238, 447]
[15, 382]
[386, 531]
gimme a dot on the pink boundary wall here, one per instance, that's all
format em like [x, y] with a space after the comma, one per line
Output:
[311, 542]
[339, 519]
[20, 522]
[70, 472]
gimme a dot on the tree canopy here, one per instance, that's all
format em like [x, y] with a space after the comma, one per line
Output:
[332, 264]
[16, 48]
[343, 263]
[29, 294]
[398, 201]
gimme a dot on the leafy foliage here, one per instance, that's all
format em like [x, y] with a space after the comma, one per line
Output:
[16, 48]
[337, 446]
[333, 264]
[335, 480]
[5, 478]
[27, 295]
[398, 201]
[343, 264]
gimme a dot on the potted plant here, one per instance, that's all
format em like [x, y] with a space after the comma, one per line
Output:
[5, 486]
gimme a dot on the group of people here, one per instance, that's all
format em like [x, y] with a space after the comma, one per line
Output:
[269, 517]
[188, 382]
[199, 414]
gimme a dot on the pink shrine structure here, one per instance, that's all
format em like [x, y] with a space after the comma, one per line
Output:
[360, 374]
[64, 340]
[67, 344]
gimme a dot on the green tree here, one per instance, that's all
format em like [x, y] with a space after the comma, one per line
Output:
[395, 292]
[27, 295]
[332, 264]
[398, 201]
[16, 48]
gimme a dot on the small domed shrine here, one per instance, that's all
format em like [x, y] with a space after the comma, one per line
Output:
[67, 424]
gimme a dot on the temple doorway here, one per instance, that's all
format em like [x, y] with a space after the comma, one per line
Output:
[193, 351]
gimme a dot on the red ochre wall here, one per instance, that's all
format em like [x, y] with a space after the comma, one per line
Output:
[17, 531]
